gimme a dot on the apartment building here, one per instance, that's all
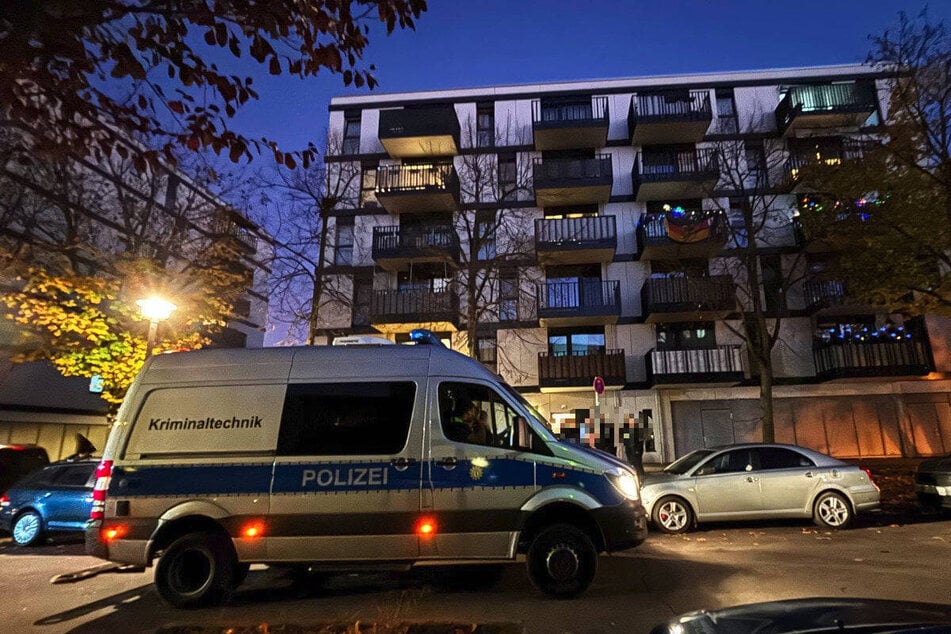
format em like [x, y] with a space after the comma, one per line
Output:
[79, 208]
[600, 222]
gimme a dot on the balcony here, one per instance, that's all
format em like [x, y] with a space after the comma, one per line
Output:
[687, 234]
[673, 117]
[906, 355]
[572, 181]
[834, 106]
[399, 311]
[823, 296]
[723, 364]
[578, 303]
[395, 247]
[574, 371]
[420, 132]
[669, 175]
[817, 158]
[575, 240]
[570, 124]
[417, 188]
[682, 298]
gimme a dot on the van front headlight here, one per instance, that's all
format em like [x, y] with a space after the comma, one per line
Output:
[626, 482]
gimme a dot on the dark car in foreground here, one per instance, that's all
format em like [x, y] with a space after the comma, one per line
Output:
[757, 481]
[17, 461]
[55, 498]
[821, 615]
[933, 483]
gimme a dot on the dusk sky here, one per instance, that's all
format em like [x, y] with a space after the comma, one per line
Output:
[460, 43]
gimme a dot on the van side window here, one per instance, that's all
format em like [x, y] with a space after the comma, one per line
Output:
[477, 415]
[346, 419]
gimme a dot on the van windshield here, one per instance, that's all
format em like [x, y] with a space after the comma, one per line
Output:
[542, 427]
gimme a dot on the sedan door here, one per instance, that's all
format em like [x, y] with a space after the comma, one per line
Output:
[68, 500]
[787, 481]
[727, 486]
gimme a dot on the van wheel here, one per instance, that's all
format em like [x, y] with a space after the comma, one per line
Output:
[562, 561]
[196, 570]
[28, 529]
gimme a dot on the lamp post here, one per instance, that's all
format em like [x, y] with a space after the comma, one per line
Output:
[155, 309]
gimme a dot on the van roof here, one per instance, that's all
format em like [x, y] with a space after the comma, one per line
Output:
[309, 362]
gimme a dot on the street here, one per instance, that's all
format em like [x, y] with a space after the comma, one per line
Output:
[717, 566]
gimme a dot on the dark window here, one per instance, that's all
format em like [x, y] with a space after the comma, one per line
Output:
[351, 133]
[508, 296]
[485, 125]
[368, 187]
[508, 177]
[779, 458]
[75, 475]
[362, 294]
[476, 414]
[687, 336]
[772, 272]
[343, 251]
[487, 351]
[485, 234]
[566, 109]
[346, 419]
[755, 164]
[726, 112]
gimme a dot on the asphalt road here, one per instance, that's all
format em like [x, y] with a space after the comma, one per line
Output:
[882, 557]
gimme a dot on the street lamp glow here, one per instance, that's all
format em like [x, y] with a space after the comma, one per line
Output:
[156, 308]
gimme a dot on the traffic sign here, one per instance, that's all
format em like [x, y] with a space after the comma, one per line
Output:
[598, 385]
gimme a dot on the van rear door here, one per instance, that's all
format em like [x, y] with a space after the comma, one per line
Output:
[347, 473]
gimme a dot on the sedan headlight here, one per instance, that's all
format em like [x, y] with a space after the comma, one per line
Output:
[626, 482]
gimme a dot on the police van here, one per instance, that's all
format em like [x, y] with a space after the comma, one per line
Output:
[347, 456]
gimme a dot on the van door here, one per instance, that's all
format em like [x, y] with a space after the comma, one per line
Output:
[347, 473]
[479, 471]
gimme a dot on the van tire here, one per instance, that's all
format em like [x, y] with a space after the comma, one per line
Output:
[562, 561]
[196, 570]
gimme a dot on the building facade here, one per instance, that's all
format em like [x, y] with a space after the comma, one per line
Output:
[602, 229]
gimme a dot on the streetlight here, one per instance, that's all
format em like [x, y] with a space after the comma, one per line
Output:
[155, 309]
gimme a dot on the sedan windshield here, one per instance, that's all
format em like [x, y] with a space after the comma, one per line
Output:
[688, 462]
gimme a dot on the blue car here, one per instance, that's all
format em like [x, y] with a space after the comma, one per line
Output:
[55, 498]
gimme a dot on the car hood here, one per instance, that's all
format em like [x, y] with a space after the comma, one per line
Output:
[811, 615]
[593, 458]
[659, 477]
[936, 465]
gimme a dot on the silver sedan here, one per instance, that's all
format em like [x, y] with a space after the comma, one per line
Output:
[757, 481]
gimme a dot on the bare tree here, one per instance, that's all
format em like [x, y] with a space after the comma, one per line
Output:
[757, 214]
[300, 204]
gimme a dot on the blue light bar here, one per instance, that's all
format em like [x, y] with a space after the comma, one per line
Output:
[421, 336]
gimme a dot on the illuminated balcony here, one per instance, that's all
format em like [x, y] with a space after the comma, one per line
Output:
[420, 132]
[828, 106]
[578, 303]
[572, 181]
[417, 188]
[722, 364]
[399, 311]
[684, 234]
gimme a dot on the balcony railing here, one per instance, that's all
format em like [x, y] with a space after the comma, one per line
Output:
[831, 155]
[580, 370]
[689, 171]
[696, 233]
[414, 242]
[720, 364]
[589, 233]
[430, 187]
[414, 306]
[857, 99]
[570, 123]
[683, 298]
[573, 300]
[567, 181]
[429, 131]
[819, 294]
[904, 356]
[671, 117]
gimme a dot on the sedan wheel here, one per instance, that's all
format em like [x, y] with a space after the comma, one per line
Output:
[672, 515]
[832, 511]
[28, 529]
